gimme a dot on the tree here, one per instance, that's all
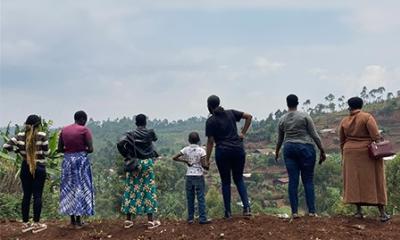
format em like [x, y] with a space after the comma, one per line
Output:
[270, 118]
[372, 95]
[331, 105]
[389, 96]
[364, 94]
[393, 179]
[319, 108]
[380, 91]
[342, 102]
[306, 105]
[278, 114]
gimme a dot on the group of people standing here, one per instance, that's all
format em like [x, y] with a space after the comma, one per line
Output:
[76, 188]
[364, 179]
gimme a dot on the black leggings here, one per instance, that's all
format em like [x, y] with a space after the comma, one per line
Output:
[32, 186]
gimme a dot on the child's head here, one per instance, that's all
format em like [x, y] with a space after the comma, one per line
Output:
[194, 138]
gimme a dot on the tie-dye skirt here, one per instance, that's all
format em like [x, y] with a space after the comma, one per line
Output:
[140, 195]
[77, 190]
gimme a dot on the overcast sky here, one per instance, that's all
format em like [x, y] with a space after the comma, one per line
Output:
[164, 58]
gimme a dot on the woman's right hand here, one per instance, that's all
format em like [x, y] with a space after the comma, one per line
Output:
[322, 157]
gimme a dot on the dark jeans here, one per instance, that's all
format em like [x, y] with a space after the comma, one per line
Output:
[232, 161]
[300, 159]
[32, 186]
[195, 186]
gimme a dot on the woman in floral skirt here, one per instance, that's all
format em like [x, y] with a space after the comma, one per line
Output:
[140, 195]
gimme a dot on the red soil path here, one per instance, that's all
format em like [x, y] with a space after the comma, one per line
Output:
[259, 227]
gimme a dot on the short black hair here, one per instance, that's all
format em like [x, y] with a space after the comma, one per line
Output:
[213, 102]
[355, 103]
[292, 101]
[80, 117]
[140, 120]
[194, 138]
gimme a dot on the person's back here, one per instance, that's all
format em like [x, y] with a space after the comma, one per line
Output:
[32, 145]
[224, 130]
[363, 176]
[230, 156]
[297, 132]
[144, 139]
[76, 187]
[194, 154]
[355, 127]
[297, 127]
[75, 138]
[140, 195]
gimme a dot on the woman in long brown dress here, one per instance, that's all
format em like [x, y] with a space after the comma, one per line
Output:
[363, 177]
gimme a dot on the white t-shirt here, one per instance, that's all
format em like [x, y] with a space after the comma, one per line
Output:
[193, 153]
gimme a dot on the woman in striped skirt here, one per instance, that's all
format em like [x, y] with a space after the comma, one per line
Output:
[77, 190]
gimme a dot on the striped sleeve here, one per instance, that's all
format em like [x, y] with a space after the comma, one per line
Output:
[44, 144]
[11, 144]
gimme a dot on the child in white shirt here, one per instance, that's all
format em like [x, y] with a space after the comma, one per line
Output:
[194, 155]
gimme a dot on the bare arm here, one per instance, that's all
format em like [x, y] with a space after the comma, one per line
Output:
[210, 146]
[89, 144]
[60, 148]
[179, 158]
[88, 141]
[281, 135]
[247, 124]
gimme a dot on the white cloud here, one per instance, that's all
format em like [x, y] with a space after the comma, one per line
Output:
[19, 51]
[376, 18]
[374, 76]
[266, 65]
[320, 73]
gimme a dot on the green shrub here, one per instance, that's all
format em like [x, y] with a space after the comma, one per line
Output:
[10, 206]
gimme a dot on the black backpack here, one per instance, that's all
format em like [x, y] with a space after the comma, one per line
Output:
[127, 148]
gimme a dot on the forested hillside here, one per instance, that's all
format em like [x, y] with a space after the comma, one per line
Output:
[266, 180]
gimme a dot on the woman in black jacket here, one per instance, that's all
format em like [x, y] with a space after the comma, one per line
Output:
[140, 195]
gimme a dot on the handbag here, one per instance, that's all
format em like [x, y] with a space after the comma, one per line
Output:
[378, 150]
[131, 162]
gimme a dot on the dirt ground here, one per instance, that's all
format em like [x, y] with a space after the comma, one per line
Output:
[258, 227]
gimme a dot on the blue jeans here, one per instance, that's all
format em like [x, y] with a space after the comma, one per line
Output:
[232, 160]
[300, 159]
[195, 185]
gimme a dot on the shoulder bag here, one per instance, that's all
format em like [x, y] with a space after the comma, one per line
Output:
[378, 150]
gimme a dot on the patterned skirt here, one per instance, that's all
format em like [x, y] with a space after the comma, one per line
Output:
[140, 195]
[77, 191]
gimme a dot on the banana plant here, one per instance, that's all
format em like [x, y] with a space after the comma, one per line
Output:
[10, 162]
